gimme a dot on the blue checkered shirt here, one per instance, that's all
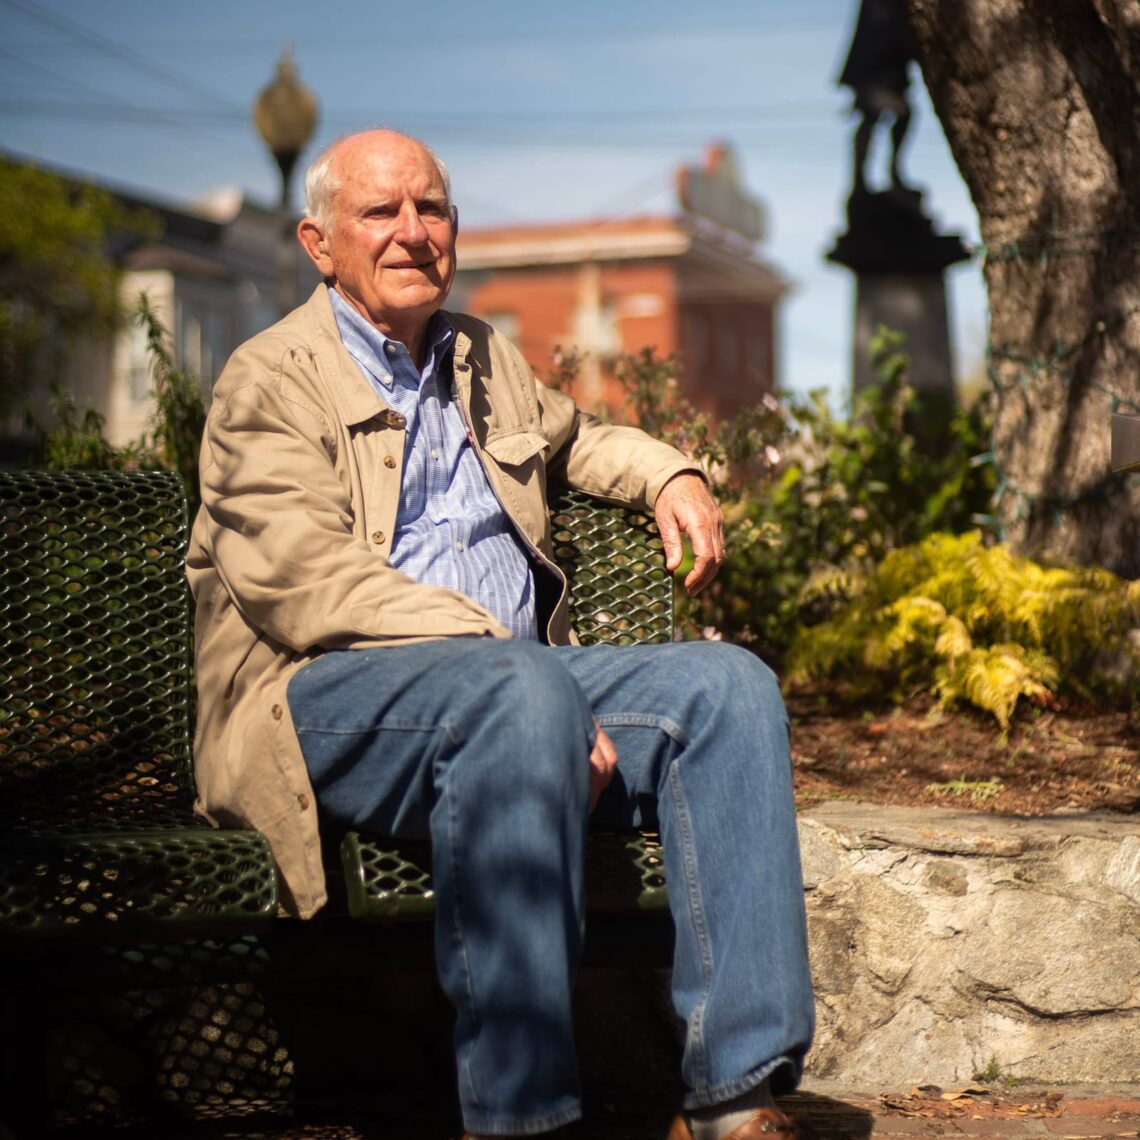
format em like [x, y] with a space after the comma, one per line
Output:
[450, 528]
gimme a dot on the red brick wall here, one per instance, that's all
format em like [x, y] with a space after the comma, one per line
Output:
[726, 346]
[729, 353]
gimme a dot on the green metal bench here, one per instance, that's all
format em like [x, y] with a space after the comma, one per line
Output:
[109, 882]
[97, 831]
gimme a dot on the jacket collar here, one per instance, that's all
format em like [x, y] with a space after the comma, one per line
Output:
[355, 400]
[353, 397]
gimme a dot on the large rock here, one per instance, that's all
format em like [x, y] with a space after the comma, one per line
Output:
[948, 945]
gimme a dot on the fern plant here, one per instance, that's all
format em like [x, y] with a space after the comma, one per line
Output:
[974, 623]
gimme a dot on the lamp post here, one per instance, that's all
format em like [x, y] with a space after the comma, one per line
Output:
[285, 115]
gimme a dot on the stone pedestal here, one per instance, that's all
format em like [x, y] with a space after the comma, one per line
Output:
[1125, 443]
[899, 261]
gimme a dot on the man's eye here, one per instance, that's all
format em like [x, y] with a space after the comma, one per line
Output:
[381, 212]
[432, 210]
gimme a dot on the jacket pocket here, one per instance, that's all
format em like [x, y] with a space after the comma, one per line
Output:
[517, 469]
[513, 448]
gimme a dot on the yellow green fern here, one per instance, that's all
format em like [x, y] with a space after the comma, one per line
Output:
[974, 623]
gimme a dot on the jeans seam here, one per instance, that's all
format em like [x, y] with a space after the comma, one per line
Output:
[730, 1090]
[456, 904]
[698, 922]
[645, 720]
[523, 1125]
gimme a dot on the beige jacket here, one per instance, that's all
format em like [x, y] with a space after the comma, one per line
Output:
[300, 472]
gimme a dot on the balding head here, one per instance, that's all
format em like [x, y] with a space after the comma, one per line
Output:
[381, 230]
[323, 179]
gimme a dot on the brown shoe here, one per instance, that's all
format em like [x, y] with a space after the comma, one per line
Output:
[762, 1122]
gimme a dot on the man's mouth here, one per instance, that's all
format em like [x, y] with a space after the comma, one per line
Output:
[422, 265]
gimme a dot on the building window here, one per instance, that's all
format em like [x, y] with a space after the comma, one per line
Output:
[213, 352]
[507, 323]
[138, 363]
[697, 340]
[730, 347]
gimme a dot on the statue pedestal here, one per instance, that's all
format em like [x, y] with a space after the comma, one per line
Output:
[1125, 443]
[899, 263]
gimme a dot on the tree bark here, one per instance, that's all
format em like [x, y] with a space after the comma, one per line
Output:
[1039, 101]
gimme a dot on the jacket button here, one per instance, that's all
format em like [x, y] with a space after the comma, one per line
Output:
[389, 461]
[277, 712]
[303, 802]
[378, 537]
[394, 419]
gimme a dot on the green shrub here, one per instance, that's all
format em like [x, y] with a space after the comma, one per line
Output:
[977, 624]
[804, 491]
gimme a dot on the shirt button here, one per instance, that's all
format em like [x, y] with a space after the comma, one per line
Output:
[389, 461]
[390, 349]
[459, 546]
[434, 453]
[303, 802]
[378, 537]
[277, 712]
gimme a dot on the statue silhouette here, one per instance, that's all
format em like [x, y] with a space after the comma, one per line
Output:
[876, 70]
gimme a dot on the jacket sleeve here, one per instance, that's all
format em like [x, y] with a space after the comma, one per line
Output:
[622, 464]
[276, 526]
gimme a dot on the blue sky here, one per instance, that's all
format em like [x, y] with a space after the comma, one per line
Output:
[542, 111]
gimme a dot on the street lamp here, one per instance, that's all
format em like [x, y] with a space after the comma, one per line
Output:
[285, 115]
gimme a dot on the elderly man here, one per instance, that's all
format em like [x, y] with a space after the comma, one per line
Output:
[383, 644]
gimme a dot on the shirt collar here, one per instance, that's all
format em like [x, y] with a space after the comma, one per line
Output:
[367, 345]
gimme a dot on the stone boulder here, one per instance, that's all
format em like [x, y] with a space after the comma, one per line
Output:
[950, 945]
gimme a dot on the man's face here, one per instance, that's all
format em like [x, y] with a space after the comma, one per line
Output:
[390, 247]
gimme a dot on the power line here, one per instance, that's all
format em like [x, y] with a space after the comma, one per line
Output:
[116, 51]
[123, 106]
[791, 114]
[698, 25]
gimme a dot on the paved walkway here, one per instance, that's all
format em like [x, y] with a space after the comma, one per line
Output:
[982, 1111]
[992, 1112]
[835, 1113]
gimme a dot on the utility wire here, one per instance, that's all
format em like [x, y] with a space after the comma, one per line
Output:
[806, 112]
[108, 47]
[118, 104]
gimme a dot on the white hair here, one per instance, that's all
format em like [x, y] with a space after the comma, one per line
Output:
[322, 184]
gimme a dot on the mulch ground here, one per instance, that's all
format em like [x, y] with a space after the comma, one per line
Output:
[1059, 759]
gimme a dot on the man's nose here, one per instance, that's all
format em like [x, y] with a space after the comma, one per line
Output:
[410, 228]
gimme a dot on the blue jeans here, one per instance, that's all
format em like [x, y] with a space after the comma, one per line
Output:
[482, 746]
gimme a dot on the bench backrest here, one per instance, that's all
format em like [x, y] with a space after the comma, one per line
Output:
[95, 634]
[96, 686]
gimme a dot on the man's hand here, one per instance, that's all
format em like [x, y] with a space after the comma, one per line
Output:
[686, 507]
[603, 761]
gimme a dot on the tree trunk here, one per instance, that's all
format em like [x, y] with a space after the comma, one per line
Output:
[1039, 102]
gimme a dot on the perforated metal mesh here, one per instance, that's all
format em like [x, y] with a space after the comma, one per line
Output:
[625, 870]
[133, 879]
[387, 879]
[620, 591]
[620, 594]
[95, 708]
[180, 1055]
[94, 636]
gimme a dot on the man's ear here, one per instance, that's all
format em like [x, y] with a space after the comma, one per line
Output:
[311, 235]
[454, 220]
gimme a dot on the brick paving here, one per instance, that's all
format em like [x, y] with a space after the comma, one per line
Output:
[1048, 1113]
[999, 1114]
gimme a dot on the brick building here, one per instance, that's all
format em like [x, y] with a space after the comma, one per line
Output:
[693, 283]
